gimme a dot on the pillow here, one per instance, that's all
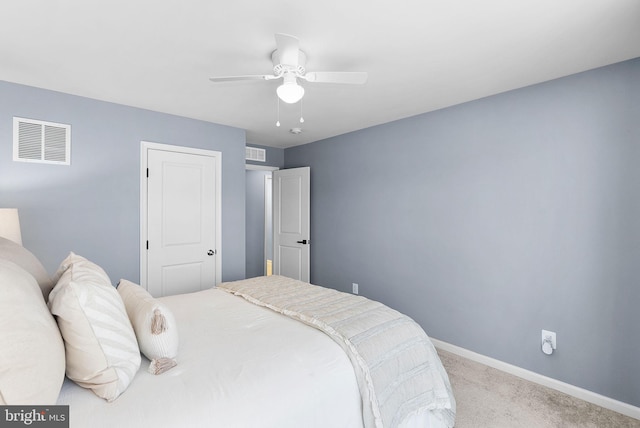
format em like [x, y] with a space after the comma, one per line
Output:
[101, 348]
[64, 265]
[32, 353]
[154, 325]
[19, 255]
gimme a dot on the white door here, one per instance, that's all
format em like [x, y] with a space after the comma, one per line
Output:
[291, 232]
[182, 220]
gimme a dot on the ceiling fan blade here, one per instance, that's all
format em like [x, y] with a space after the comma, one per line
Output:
[349, 77]
[245, 77]
[288, 47]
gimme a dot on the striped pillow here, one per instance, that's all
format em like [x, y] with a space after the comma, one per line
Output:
[101, 349]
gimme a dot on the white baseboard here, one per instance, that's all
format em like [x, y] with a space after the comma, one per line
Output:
[574, 391]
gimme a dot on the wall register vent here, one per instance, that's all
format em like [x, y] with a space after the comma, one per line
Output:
[255, 154]
[42, 142]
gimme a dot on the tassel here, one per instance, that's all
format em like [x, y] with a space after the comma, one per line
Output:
[161, 365]
[158, 323]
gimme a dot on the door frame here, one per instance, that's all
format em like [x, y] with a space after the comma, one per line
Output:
[145, 146]
[268, 212]
[252, 167]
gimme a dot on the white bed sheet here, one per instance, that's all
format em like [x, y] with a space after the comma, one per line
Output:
[239, 365]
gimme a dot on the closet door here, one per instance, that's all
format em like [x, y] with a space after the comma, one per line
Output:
[182, 220]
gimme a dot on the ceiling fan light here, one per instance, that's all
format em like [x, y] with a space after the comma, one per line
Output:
[290, 92]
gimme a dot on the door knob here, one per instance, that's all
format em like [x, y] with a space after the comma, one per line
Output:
[210, 253]
[304, 241]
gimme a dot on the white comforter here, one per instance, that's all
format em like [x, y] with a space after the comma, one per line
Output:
[239, 365]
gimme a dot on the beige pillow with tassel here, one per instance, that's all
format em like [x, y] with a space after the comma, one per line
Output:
[154, 325]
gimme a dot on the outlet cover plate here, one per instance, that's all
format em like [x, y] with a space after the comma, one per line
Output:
[552, 335]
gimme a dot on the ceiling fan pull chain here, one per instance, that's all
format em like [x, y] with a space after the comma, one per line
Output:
[301, 118]
[278, 108]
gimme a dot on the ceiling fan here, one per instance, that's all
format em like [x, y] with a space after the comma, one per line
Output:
[289, 65]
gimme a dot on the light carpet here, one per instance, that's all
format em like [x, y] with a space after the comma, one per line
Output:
[487, 397]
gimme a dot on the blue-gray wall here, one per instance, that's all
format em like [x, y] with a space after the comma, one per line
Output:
[92, 207]
[489, 221]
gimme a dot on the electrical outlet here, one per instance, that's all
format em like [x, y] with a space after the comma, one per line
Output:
[549, 335]
[354, 288]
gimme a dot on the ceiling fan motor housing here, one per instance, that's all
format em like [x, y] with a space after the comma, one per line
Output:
[279, 68]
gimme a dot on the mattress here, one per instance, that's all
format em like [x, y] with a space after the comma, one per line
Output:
[239, 365]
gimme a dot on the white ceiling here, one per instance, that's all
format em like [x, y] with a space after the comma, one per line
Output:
[421, 55]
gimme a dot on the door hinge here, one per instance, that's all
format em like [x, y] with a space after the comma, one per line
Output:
[147, 245]
[147, 172]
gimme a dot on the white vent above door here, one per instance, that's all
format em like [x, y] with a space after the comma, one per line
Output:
[40, 141]
[255, 154]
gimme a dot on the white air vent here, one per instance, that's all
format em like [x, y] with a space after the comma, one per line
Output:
[39, 141]
[255, 154]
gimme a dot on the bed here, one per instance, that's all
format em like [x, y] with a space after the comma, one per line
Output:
[242, 356]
